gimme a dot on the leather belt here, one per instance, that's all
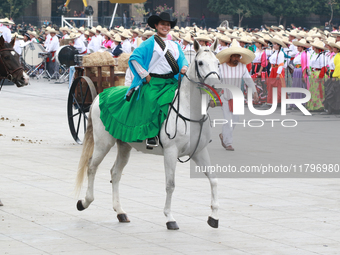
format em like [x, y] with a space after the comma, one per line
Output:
[162, 76]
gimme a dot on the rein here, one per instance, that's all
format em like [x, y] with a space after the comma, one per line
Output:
[179, 115]
[9, 74]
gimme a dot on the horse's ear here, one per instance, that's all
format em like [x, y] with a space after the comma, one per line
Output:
[13, 41]
[213, 47]
[196, 46]
[2, 42]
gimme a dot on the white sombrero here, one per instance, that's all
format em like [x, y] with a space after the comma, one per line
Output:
[302, 43]
[6, 21]
[74, 36]
[125, 34]
[203, 37]
[276, 39]
[335, 45]
[261, 41]
[247, 56]
[318, 44]
[33, 33]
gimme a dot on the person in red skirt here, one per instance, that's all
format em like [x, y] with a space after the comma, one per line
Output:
[277, 73]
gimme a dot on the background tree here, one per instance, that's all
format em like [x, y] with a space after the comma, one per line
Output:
[13, 8]
[328, 8]
[290, 8]
[242, 8]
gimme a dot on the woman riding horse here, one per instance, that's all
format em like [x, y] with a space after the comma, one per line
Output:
[155, 65]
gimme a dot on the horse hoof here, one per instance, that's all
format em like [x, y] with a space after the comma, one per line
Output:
[212, 222]
[123, 218]
[80, 206]
[172, 225]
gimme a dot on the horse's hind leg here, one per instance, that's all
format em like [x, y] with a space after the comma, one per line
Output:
[98, 155]
[202, 158]
[1, 204]
[116, 174]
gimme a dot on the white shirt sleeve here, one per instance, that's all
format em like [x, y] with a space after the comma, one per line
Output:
[248, 80]
[280, 60]
[140, 70]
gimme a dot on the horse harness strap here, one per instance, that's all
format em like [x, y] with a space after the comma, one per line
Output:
[8, 72]
[179, 115]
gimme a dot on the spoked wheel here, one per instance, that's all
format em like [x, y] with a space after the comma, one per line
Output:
[81, 95]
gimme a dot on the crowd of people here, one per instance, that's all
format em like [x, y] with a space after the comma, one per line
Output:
[282, 58]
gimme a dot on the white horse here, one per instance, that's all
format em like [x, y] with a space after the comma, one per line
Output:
[187, 142]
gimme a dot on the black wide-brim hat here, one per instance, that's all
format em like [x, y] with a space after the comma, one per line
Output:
[154, 19]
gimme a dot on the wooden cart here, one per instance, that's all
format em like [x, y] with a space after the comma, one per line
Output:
[84, 89]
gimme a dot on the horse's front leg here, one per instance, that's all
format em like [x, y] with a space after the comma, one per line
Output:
[170, 160]
[1, 204]
[202, 159]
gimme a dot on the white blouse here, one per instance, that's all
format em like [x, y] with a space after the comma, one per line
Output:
[277, 59]
[258, 56]
[297, 59]
[162, 66]
[317, 60]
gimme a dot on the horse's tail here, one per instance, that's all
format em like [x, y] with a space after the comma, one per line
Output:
[86, 154]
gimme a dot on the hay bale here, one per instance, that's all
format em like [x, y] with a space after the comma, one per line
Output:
[98, 59]
[123, 62]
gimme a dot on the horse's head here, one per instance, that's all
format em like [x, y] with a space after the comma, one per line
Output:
[206, 65]
[10, 67]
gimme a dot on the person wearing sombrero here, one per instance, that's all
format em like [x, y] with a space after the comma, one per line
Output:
[33, 36]
[318, 66]
[137, 113]
[277, 73]
[260, 62]
[116, 46]
[4, 30]
[233, 71]
[95, 42]
[332, 86]
[126, 44]
[78, 43]
[224, 43]
[301, 65]
[52, 47]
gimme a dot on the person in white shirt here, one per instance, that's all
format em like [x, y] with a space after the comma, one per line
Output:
[5, 32]
[94, 44]
[98, 34]
[187, 48]
[16, 46]
[233, 71]
[126, 45]
[318, 64]
[48, 37]
[224, 43]
[77, 43]
[82, 37]
[65, 30]
[33, 36]
[277, 72]
[52, 47]
[133, 40]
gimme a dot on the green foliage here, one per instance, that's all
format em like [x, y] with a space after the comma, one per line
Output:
[13, 8]
[291, 8]
[232, 7]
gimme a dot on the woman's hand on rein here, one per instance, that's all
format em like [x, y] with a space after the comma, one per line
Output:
[184, 69]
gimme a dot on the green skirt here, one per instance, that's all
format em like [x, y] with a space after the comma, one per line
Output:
[141, 118]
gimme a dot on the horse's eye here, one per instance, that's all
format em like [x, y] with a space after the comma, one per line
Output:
[200, 63]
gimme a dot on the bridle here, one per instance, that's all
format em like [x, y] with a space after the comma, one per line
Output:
[9, 73]
[179, 115]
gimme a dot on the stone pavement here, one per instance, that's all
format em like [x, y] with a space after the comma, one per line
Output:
[38, 163]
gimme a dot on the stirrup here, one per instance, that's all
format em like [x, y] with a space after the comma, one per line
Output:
[152, 142]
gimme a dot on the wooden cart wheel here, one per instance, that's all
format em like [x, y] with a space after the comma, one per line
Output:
[81, 95]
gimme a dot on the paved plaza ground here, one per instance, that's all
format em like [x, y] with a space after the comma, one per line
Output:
[38, 164]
